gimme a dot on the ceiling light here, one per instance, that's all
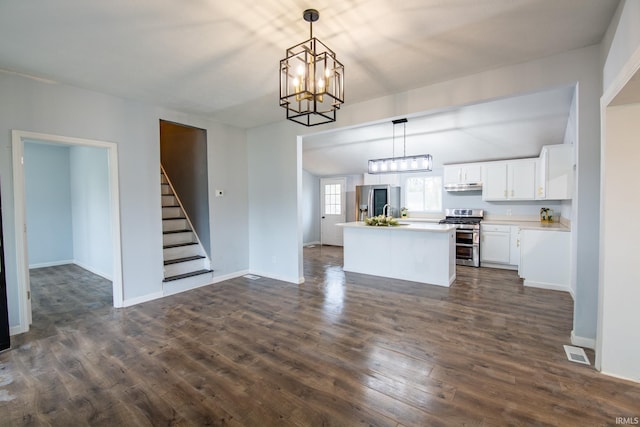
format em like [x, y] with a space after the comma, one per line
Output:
[419, 163]
[311, 80]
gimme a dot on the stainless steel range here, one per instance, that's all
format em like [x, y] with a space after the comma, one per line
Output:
[467, 222]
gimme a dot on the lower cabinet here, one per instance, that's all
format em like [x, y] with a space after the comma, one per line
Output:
[545, 259]
[499, 246]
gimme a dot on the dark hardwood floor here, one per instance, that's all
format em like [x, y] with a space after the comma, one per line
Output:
[338, 350]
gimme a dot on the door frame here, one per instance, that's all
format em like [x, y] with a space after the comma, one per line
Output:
[18, 139]
[343, 200]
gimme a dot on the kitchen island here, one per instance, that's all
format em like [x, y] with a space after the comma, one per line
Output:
[419, 252]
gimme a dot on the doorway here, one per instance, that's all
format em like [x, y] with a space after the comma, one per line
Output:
[183, 155]
[333, 210]
[84, 149]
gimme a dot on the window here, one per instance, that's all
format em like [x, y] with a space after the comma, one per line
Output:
[423, 193]
[332, 196]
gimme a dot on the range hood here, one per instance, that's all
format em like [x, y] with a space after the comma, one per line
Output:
[467, 186]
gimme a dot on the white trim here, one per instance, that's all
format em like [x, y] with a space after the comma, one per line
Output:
[50, 264]
[22, 260]
[184, 285]
[499, 266]
[217, 279]
[17, 330]
[583, 341]
[317, 243]
[144, 298]
[295, 281]
[624, 75]
[621, 378]
[92, 270]
[550, 286]
[18, 138]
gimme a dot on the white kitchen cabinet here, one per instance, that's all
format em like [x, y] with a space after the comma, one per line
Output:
[509, 180]
[467, 173]
[555, 173]
[545, 259]
[383, 178]
[514, 250]
[495, 246]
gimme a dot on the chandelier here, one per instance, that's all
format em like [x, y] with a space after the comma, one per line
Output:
[311, 80]
[419, 163]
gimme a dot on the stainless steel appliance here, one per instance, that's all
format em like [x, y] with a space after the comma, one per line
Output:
[467, 223]
[371, 201]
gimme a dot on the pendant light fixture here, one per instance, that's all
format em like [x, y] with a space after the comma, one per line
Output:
[311, 80]
[419, 163]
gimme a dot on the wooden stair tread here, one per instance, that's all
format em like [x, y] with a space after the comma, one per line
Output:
[185, 275]
[185, 259]
[186, 230]
[177, 245]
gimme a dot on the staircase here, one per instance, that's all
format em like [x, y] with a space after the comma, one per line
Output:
[183, 253]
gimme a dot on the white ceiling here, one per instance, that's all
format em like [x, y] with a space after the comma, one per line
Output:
[220, 59]
[506, 128]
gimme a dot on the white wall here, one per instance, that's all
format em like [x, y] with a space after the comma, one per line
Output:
[618, 333]
[271, 187]
[275, 201]
[310, 208]
[48, 204]
[90, 209]
[623, 36]
[63, 110]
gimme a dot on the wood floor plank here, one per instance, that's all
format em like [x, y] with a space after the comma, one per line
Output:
[338, 350]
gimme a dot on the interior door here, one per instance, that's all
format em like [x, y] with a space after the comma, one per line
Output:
[333, 210]
[5, 342]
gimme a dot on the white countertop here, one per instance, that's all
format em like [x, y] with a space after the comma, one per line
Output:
[405, 226]
[529, 225]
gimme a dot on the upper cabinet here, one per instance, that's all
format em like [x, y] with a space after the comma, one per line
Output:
[469, 173]
[509, 180]
[555, 173]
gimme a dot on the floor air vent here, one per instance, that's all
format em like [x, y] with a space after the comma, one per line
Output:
[251, 276]
[576, 354]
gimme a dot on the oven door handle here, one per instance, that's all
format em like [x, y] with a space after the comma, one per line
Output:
[467, 245]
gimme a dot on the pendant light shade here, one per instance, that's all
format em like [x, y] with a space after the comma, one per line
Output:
[311, 80]
[418, 163]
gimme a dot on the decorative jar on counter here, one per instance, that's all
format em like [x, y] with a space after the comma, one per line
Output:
[546, 215]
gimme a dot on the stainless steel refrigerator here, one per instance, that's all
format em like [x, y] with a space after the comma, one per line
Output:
[371, 200]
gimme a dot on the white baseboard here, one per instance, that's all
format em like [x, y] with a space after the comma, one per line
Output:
[93, 270]
[294, 280]
[195, 282]
[550, 286]
[183, 285]
[635, 380]
[317, 242]
[18, 329]
[222, 278]
[582, 341]
[50, 264]
[501, 266]
[144, 298]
